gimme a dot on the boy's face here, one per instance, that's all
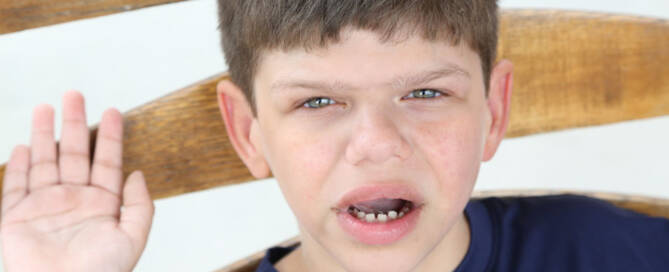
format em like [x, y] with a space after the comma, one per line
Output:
[406, 121]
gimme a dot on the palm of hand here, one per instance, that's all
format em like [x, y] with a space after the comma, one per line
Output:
[60, 218]
[59, 224]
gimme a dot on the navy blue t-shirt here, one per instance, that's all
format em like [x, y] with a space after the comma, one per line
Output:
[553, 233]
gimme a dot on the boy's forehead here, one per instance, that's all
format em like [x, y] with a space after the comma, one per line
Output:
[398, 82]
[397, 64]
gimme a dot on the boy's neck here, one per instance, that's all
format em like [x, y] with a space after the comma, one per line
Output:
[450, 252]
[292, 262]
[446, 256]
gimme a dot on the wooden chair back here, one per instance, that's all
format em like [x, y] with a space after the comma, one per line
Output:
[572, 69]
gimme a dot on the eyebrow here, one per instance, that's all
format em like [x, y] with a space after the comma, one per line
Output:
[333, 86]
[400, 82]
[425, 77]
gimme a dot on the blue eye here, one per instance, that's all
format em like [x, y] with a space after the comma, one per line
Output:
[424, 93]
[318, 102]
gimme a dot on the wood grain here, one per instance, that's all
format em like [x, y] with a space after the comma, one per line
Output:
[20, 15]
[576, 69]
[180, 143]
[572, 70]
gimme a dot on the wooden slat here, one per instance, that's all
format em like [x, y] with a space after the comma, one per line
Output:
[17, 15]
[575, 69]
[641, 204]
[572, 70]
[180, 143]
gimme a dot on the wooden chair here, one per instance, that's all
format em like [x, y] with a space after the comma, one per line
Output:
[573, 69]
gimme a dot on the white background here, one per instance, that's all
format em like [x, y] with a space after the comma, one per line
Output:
[128, 59]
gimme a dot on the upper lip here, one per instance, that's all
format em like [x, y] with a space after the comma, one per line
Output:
[377, 191]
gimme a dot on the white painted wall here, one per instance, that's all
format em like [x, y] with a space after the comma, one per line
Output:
[127, 59]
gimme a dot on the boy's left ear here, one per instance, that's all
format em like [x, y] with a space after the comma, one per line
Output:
[242, 127]
[499, 104]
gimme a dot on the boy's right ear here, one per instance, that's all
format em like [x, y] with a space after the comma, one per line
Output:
[242, 127]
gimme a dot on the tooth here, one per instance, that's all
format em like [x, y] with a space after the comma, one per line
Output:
[382, 217]
[361, 215]
[405, 209]
[370, 217]
[401, 214]
[392, 214]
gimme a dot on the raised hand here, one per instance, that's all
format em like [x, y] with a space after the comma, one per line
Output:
[59, 213]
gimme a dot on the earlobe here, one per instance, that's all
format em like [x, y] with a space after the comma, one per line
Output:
[240, 124]
[499, 105]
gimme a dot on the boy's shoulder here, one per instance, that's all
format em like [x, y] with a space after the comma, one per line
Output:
[567, 216]
[574, 233]
[553, 233]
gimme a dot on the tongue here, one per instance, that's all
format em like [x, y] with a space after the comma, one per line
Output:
[380, 205]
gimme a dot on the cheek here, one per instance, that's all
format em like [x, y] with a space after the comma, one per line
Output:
[453, 150]
[301, 164]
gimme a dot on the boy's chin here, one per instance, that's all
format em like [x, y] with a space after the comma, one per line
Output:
[404, 254]
[394, 257]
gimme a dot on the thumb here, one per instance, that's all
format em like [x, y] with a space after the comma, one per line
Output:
[137, 210]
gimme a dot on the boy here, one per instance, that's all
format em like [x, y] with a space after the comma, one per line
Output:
[373, 116]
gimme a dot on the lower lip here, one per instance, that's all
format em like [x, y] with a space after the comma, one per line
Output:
[379, 233]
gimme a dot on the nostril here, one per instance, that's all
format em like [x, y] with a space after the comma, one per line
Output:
[376, 151]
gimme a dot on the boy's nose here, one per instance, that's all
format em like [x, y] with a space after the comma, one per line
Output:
[375, 138]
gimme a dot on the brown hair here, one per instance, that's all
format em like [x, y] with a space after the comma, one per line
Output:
[250, 26]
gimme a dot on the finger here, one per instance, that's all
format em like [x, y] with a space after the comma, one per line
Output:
[73, 155]
[138, 209]
[107, 172]
[43, 168]
[15, 182]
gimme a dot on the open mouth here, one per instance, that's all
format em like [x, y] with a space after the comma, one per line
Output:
[380, 210]
[379, 214]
